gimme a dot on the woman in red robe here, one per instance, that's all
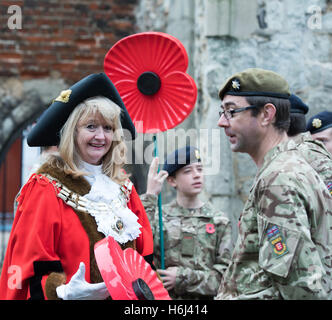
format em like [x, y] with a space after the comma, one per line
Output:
[76, 198]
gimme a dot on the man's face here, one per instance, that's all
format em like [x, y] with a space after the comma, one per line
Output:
[325, 136]
[242, 129]
[188, 179]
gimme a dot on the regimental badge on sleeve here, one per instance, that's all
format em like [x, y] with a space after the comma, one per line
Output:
[329, 187]
[277, 241]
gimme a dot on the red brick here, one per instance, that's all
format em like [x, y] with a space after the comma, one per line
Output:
[35, 39]
[45, 56]
[11, 57]
[85, 42]
[47, 22]
[120, 24]
[9, 3]
[64, 66]
[93, 6]
[124, 11]
[28, 74]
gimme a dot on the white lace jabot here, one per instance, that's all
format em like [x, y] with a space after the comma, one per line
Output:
[105, 190]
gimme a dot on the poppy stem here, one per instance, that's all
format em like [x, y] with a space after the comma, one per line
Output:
[161, 233]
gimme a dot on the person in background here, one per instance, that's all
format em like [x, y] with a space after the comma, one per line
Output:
[76, 198]
[313, 151]
[197, 238]
[44, 153]
[298, 110]
[283, 250]
[320, 127]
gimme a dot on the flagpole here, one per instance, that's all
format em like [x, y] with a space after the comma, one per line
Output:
[161, 233]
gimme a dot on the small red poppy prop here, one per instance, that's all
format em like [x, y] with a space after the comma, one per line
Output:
[126, 274]
[149, 71]
[210, 228]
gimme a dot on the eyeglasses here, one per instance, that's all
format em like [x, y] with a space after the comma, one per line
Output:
[229, 113]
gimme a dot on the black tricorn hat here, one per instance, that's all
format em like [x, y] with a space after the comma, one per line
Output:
[46, 132]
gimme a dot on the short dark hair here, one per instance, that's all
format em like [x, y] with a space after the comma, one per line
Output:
[297, 124]
[282, 109]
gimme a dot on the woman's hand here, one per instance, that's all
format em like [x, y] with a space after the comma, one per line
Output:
[78, 289]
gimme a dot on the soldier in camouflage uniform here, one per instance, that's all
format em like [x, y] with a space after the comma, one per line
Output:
[298, 110]
[320, 126]
[316, 154]
[313, 151]
[284, 247]
[197, 238]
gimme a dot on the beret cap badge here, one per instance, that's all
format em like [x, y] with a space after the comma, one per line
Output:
[197, 154]
[236, 84]
[64, 96]
[317, 123]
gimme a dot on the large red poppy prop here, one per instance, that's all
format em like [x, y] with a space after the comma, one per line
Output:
[126, 274]
[149, 71]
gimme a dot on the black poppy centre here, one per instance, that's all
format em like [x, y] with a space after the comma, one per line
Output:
[148, 83]
[142, 290]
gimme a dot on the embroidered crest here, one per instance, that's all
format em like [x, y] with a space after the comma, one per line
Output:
[64, 96]
[317, 123]
[277, 241]
[329, 187]
[236, 84]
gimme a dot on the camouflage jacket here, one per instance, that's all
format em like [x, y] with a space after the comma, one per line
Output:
[315, 153]
[197, 241]
[284, 247]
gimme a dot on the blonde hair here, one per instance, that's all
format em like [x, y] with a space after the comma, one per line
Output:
[115, 158]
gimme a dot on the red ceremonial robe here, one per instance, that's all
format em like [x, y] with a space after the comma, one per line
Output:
[49, 239]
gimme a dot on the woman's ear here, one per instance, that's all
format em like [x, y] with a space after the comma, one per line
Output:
[268, 114]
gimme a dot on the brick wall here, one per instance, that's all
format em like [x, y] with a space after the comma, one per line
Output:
[62, 38]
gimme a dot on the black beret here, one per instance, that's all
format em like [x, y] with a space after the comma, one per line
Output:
[180, 158]
[255, 82]
[47, 129]
[297, 105]
[320, 122]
